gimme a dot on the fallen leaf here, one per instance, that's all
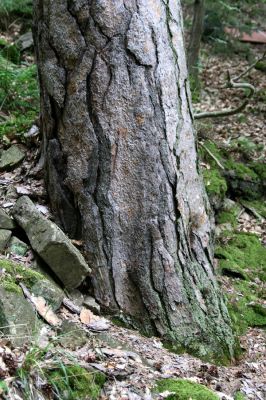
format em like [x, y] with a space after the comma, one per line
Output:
[45, 311]
[86, 316]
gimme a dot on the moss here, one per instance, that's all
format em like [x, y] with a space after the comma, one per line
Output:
[244, 307]
[239, 396]
[211, 146]
[214, 182]
[241, 171]
[261, 66]
[244, 252]
[184, 390]
[74, 382]
[229, 216]
[260, 170]
[258, 205]
[14, 273]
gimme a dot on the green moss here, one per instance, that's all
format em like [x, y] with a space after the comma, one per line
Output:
[240, 170]
[73, 382]
[244, 307]
[260, 170]
[229, 216]
[13, 273]
[211, 146]
[239, 396]
[214, 182]
[184, 390]
[258, 205]
[261, 66]
[244, 252]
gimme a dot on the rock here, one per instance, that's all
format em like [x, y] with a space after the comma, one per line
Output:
[91, 304]
[51, 244]
[77, 297]
[219, 229]
[11, 157]
[71, 335]
[50, 291]
[5, 235]
[228, 204]
[25, 41]
[16, 246]
[6, 222]
[17, 318]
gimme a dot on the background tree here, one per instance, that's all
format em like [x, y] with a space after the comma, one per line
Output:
[121, 164]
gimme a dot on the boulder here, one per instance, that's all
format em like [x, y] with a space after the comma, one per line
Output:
[11, 157]
[18, 320]
[50, 291]
[51, 244]
[5, 235]
[71, 336]
[6, 222]
[92, 305]
[16, 246]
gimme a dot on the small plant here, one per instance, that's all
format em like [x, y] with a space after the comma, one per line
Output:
[64, 380]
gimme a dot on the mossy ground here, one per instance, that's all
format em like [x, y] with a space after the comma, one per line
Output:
[67, 380]
[12, 274]
[184, 390]
[243, 258]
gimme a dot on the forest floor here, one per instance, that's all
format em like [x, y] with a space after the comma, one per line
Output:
[131, 362]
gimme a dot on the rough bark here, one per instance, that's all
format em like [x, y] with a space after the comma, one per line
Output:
[195, 38]
[121, 163]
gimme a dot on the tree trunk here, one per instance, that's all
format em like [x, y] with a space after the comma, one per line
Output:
[121, 163]
[195, 39]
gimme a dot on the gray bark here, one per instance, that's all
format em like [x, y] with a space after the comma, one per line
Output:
[121, 163]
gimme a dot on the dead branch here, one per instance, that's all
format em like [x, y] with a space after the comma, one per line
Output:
[232, 83]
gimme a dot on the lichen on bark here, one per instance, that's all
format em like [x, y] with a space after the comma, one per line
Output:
[126, 166]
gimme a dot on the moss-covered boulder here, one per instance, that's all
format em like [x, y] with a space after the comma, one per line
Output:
[12, 274]
[243, 252]
[183, 389]
[16, 246]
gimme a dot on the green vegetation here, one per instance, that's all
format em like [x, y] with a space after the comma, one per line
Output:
[19, 97]
[244, 257]
[184, 390]
[13, 8]
[229, 216]
[67, 380]
[215, 183]
[239, 396]
[13, 273]
[243, 251]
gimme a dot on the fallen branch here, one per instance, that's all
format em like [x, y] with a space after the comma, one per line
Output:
[212, 155]
[232, 83]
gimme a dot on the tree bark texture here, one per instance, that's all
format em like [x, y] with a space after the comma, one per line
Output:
[195, 38]
[121, 163]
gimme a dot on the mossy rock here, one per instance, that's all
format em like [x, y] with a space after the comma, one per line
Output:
[72, 382]
[229, 216]
[243, 252]
[259, 206]
[13, 273]
[245, 309]
[184, 390]
[215, 185]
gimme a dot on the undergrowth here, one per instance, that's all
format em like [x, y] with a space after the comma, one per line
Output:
[182, 389]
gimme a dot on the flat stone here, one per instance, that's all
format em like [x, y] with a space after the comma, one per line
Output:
[71, 335]
[16, 246]
[11, 157]
[50, 291]
[91, 304]
[51, 244]
[5, 235]
[18, 321]
[6, 222]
